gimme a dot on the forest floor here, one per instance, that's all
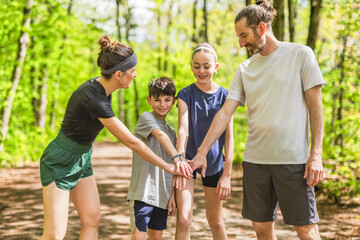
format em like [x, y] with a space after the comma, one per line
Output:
[21, 210]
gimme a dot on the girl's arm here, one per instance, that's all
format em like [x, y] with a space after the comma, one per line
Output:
[183, 121]
[224, 185]
[122, 133]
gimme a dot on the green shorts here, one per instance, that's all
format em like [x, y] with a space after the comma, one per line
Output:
[65, 162]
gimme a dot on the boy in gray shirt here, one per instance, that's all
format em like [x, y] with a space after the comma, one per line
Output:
[151, 193]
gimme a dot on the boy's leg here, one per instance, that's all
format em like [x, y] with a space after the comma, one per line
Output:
[56, 208]
[157, 223]
[184, 201]
[86, 200]
[214, 213]
[154, 234]
[138, 235]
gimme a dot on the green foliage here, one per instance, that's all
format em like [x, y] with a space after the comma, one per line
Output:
[63, 52]
[339, 60]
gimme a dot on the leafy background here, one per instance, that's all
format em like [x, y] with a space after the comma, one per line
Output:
[62, 53]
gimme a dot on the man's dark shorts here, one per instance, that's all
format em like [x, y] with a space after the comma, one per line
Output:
[266, 185]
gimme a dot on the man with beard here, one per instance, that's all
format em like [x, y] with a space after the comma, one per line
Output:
[281, 84]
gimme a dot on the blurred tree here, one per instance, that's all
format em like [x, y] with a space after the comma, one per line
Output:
[314, 22]
[16, 74]
[278, 25]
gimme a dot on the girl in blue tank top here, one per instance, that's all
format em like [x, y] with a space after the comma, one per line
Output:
[198, 103]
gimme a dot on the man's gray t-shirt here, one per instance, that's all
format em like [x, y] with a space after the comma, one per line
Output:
[149, 183]
[274, 88]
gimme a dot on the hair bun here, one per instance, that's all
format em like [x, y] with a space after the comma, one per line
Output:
[105, 42]
[265, 4]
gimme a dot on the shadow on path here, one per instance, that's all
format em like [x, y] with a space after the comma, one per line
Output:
[21, 205]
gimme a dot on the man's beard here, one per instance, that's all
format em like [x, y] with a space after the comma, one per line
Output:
[257, 46]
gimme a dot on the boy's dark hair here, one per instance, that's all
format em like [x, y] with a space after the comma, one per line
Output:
[162, 87]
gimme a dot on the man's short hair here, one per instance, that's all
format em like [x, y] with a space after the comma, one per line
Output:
[162, 87]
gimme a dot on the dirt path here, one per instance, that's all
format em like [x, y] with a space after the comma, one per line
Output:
[21, 205]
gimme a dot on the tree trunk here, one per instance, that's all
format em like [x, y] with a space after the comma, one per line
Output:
[118, 19]
[248, 2]
[292, 17]
[194, 30]
[205, 30]
[158, 17]
[15, 77]
[120, 92]
[169, 23]
[340, 139]
[43, 99]
[279, 22]
[127, 16]
[57, 83]
[314, 22]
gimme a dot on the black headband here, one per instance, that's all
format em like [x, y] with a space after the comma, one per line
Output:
[130, 62]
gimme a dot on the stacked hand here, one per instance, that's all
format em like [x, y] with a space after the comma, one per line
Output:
[182, 167]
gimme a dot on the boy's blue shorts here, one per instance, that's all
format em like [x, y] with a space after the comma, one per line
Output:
[143, 216]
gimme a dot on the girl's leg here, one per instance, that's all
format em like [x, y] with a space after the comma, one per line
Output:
[184, 202]
[154, 234]
[86, 200]
[56, 208]
[214, 213]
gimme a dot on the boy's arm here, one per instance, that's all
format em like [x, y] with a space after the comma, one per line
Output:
[164, 140]
[224, 185]
[172, 203]
[122, 133]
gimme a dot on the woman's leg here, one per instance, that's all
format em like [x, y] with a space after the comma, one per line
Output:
[214, 213]
[184, 202]
[86, 200]
[56, 208]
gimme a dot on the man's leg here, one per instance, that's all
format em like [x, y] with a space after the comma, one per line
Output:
[86, 200]
[184, 200]
[260, 201]
[264, 230]
[214, 213]
[308, 232]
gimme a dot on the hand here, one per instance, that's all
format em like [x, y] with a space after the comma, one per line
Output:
[223, 188]
[171, 168]
[172, 206]
[183, 167]
[314, 169]
[179, 182]
[199, 161]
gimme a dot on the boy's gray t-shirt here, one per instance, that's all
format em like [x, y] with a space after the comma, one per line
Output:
[149, 183]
